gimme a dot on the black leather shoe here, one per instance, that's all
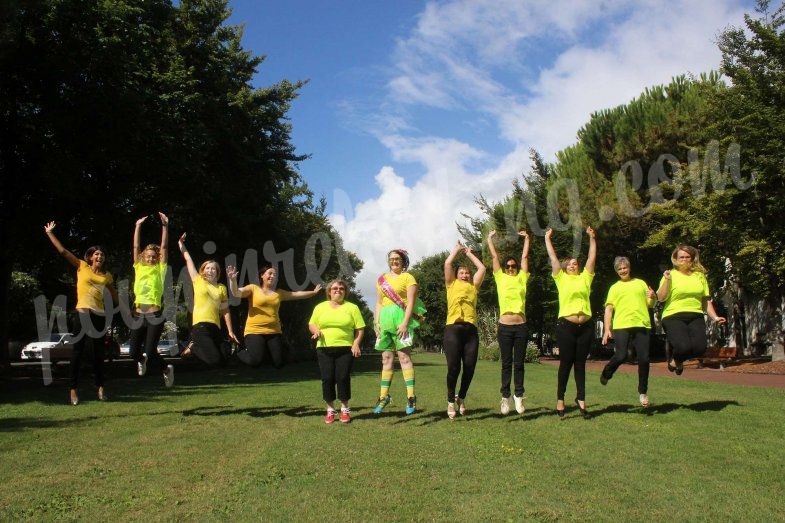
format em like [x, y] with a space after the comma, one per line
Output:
[584, 412]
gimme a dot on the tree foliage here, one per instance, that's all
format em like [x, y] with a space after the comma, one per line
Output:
[115, 110]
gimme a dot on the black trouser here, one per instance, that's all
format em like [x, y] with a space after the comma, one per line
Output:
[574, 341]
[208, 344]
[92, 330]
[461, 346]
[512, 345]
[686, 333]
[147, 330]
[258, 345]
[335, 364]
[639, 338]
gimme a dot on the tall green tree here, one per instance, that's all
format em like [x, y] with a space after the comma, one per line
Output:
[114, 110]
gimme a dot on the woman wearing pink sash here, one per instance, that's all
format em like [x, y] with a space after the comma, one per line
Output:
[396, 317]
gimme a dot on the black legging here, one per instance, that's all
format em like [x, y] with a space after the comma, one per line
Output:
[208, 344]
[574, 341]
[512, 346]
[258, 345]
[92, 329]
[686, 333]
[147, 330]
[461, 346]
[335, 365]
[639, 338]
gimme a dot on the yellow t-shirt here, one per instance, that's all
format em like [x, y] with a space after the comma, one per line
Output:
[461, 302]
[263, 312]
[90, 287]
[686, 293]
[630, 305]
[511, 292]
[574, 293]
[337, 325]
[208, 299]
[399, 284]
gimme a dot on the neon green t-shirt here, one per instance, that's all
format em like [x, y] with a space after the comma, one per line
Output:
[511, 291]
[149, 283]
[686, 293]
[573, 292]
[630, 305]
[337, 325]
[207, 301]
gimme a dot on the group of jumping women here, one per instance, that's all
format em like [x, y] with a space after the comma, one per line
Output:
[337, 325]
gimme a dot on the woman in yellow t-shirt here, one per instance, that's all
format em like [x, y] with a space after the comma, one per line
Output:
[512, 332]
[211, 302]
[148, 321]
[627, 310]
[461, 341]
[395, 320]
[263, 326]
[574, 328]
[93, 316]
[686, 296]
[337, 326]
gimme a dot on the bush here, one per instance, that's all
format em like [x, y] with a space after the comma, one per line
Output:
[490, 351]
[532, 353]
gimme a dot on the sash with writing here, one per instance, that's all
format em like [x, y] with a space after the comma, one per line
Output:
[418, 312]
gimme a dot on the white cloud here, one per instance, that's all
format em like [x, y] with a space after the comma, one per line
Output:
[537, 70]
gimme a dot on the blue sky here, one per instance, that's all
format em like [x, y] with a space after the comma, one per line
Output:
[414, 108]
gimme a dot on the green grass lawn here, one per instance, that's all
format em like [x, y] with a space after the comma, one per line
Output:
[247, 445]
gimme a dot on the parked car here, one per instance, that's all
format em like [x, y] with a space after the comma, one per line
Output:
[165, 348]
[58, 346]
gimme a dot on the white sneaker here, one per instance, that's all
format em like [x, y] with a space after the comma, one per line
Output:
[451, 410]
[461, 405]
[519, 403]
[141, 366]
[644, 400]
[169, 376]
[505, 408]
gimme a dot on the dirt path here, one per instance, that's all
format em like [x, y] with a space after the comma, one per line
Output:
[753, 373]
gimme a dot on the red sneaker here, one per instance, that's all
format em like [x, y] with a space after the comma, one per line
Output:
[346, 415]
[330, 417]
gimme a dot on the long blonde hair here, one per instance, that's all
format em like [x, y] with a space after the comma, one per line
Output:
[694, 265]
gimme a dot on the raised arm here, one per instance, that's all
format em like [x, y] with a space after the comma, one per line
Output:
[591, 261]
[137, 248]
[525, 251]
[299, 295]
[65, 253]
[189, 262]
[494, 255]
[449, 273]
[665, 286]
[479, 274]
[164, 237]
[555, 264]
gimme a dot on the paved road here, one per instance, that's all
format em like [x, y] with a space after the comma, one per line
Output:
[693, 373]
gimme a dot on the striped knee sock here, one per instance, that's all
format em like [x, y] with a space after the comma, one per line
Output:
[408, 376]
[387, 376]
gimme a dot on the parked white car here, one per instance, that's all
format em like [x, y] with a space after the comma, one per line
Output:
[165, 348]
[58, 345]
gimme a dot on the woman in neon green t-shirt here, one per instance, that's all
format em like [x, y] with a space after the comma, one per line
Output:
[574, 328]
[148, 322]
[337, 326]
[627, 310]
[686, 296]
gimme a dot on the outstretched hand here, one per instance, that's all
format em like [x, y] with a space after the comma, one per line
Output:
[49, 227]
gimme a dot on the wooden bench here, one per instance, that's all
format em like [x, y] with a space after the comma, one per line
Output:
[721, 354]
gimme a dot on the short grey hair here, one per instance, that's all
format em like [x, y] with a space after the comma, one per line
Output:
[620, 260]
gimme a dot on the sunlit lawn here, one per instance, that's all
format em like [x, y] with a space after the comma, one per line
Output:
[249, 445]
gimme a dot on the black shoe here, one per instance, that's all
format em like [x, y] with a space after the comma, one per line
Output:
[560, 413]
[584, 412]
[671, 368]
[603, 379]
